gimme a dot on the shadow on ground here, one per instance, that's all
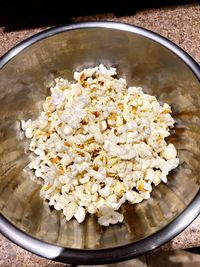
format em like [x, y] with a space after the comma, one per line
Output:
[18, 15]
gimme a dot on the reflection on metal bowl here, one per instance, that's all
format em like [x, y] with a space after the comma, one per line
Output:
[144, 59]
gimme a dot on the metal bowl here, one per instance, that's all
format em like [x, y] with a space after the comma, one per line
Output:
[144, 59]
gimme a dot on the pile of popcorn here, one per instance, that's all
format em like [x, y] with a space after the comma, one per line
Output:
[99, 144]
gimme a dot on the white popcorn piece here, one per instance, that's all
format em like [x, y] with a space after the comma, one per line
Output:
[143, 150]
[76, 76]
[169, 152]
[131, 136]
[148, 187]
[157, 177]
[66, 160]
[54, 200]
[110, 218]
[70, 210]
[98, 176]
[133, 197]
[38, 173]
[80, 214]
[42, 122]
[149, 175]
[29, 132]
[99, 138]
[95, 187]
[38, 151]
[100, 203]
[28, 124]
[95, 198]
[60, 203]
[91, 208]
[104, 192]
[84, 200]
[130, 196]
[85, 179]
[23, 125]
[66, 130]
[127, 156]
[65, 188]
[93, 128]
[163, 177]
[103, 125]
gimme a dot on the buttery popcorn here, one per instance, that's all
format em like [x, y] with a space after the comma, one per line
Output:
[98, 144]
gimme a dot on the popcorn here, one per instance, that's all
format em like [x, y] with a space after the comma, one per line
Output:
[103, 125]
[157, 178]
[66, 130]
[29, 132]
[149, 175]
[80, 214]
[169, 152]
[110, 218]
[70, 210]
[98, 144]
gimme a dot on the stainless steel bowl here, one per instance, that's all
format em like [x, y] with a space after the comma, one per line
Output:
[144, 59]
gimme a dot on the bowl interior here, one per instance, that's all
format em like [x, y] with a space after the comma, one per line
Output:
[143, 62]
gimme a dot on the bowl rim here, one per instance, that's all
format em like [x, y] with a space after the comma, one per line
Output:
[124, 252]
